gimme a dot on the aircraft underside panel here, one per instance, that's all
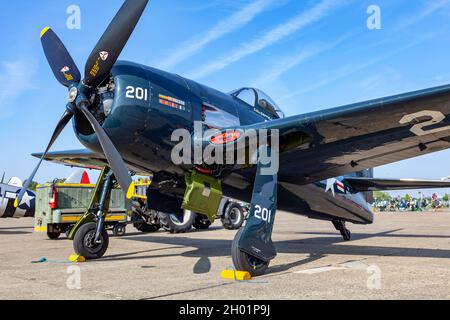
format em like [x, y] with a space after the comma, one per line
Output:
[309, 200]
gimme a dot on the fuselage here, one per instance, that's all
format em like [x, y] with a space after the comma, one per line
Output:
[143, 106]
[8, 194]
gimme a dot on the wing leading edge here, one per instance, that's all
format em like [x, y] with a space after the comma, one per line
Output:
[84, 159]
[76, 158]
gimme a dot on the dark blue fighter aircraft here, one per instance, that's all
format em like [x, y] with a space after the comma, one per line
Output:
[125, 113]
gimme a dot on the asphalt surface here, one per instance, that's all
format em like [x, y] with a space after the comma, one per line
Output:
[401, 256]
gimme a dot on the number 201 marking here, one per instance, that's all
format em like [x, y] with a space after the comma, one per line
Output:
[263, 214]
[137, 93]
[418, 129]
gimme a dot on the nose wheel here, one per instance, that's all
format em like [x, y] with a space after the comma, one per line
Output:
[85, 244]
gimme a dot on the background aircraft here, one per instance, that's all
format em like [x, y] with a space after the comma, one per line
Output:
[8, 194]
[125, 113]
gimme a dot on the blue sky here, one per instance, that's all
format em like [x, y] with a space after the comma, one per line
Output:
[308, 55]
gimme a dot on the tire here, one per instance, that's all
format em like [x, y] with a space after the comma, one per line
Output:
[201, 222]
[233, 216]
[142, 224]
[53, 235]
[346, 234]
[244, 262]
[146, 227]
[119, 230]
[83, 242]
[176, 223]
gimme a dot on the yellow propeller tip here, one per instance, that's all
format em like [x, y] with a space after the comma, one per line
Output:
[16, 203]
[44, 31]
[131, 190]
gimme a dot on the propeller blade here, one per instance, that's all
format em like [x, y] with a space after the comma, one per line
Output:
[113, 156]
[59, 59]
[111, 44]
[67, 116]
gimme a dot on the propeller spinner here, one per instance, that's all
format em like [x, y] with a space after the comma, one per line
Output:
[97, 69]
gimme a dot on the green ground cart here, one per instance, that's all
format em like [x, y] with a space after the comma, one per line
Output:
[60, 206]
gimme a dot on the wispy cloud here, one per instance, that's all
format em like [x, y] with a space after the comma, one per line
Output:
[384, 79]
[350, 69]
[295, 24]
[429, 8]
[224, 27]
[296, 59]
[16, 78]
[226, 6]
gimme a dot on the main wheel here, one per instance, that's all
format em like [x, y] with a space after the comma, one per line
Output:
[201, 222]
[177, 223]
[233, 216]
[84, 244]
[245, 262]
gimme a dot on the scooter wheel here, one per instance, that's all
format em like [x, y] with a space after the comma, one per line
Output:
[53, 235]
[84, 242]
[245, 262]
[119, 230]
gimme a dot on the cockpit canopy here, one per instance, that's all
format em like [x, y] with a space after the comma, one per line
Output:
[258, 99]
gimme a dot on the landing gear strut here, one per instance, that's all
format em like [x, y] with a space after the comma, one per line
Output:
[89, 235]
[252, 248]
[340, 226]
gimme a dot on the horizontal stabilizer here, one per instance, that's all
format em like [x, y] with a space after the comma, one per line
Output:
[373, 184]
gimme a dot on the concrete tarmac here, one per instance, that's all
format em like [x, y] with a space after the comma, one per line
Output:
[401, 256]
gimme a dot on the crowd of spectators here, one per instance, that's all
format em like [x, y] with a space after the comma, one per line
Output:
[408, 203]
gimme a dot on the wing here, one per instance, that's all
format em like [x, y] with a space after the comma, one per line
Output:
[84, 159]
[373, 184]
[339, 141]
[76, 158]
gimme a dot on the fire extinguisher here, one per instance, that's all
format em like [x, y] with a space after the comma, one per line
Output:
[53, 197]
